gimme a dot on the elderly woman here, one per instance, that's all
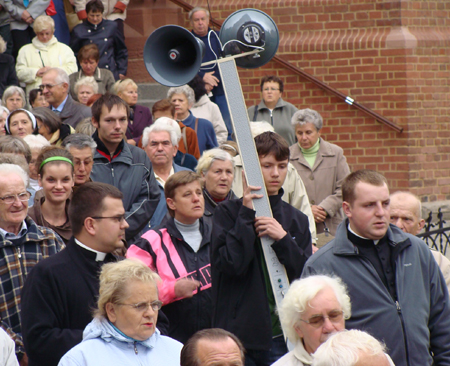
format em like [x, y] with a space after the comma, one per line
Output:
[322, 167]
[36, 143]
[85, 88]
[178, 250]
[7, 71]
[3, 116]
[313, 308]
[216, 167]
[43, 53]
[124, 331]
[88, 57]
[273, 108]
[36, 98]
[13, 98]
[50, 126]
[140, 116]
[182, 98]
[20, 123]
[55, 175]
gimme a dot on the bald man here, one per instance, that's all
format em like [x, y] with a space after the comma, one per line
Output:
[406, 213]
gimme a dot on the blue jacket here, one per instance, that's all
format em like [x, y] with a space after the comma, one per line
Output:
[161, 209]
[205, 132]
[103, 345]
[419, 322]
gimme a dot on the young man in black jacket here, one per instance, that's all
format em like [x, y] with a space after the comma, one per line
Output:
[243, 300]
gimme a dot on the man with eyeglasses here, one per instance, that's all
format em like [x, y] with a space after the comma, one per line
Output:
[274, 109]
[397, 291]
[22, 245]
[60, 293]
[55, 88]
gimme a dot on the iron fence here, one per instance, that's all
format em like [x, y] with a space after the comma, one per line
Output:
[438, 238]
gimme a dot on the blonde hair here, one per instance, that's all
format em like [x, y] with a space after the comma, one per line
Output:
[209, 156]
[121, 85]
[43, 22]
[114, 280]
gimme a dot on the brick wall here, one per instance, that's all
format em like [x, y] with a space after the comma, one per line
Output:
[391, 56]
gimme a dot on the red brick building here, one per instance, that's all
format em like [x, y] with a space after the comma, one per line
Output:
[391, 56]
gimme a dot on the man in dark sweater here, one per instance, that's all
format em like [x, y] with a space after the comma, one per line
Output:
[243, 300]
[60, 293]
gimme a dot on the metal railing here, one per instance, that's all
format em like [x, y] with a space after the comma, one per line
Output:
[439, 238]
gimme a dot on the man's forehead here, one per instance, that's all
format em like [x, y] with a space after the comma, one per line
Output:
[11, 181]
[199, 14]
[118, 110]
[369, 192]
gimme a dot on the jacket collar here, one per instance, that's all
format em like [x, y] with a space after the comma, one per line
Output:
[325, 150]
[202, 101]
[301, 354]
[169, 223]
[33, 234]
[122, 153]
[343, 246]
[281, 103]
[43, 46]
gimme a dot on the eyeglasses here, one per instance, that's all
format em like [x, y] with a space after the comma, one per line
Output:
[48, 86]
[119, 218]
[143, 306]
[317, 321]
[23, 197]
[270, 89]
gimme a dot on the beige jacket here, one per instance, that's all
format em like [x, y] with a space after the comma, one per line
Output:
[294, 192]
[323, 182]
[444, 266]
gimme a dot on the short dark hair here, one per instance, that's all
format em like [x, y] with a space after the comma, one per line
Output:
[198, 86]
[15, 145]
[109, 101]
[50, 152]
[364, 175]
[189, 352]
[272, 143]
[50, 119]
[94, 193]
[179, 179]
[274, 79]
[95, 6]
[34, 93]
[90, 51]
[162, 106]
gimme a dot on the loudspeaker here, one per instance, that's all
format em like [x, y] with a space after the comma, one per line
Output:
[251, 27]
[173, 55]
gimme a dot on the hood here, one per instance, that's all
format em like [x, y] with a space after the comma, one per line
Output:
[202, 101]
[43, 46]
[102, 328]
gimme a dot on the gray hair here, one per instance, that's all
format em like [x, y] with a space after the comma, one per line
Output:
[61, 75]
[259, 127]
[4, 110]
[86, 81]
[196, 9]
[210, 156]
[36, 142]
[301, 292]
[2, 45]
[15, 145]
[43, 22]
[345, 348]
[171, 122]
[158, 127]
[85, 127]
[79, 141]
[10, 91]
[304, 116]
[14, 169]
[183, 89]
[10, 158]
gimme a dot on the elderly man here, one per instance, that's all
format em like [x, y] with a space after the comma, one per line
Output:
[199, 18]
[312, 310]
[213, 346]
[397, 291]
[82, 148]
[160, 142]
[55, 88]
[122, 165]
[406, 213]
[60, 292]
[352, 348]
[22, 245]
[182, 97]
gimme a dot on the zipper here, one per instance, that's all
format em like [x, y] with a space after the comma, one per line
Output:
[271, 117]
[112, 172]
[19, 255]
[135, 348]
[399, 311]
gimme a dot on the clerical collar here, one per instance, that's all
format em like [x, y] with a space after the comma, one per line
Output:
[11, 236]
[100, 255]
[362, 237]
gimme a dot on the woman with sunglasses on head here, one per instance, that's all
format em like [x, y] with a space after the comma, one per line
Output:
[55, 168]
[124, 331]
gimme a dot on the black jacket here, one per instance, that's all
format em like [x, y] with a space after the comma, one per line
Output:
[240, 299]
[7, 72]
[173, 259]
[110, 42]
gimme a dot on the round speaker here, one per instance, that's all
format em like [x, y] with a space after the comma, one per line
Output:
[173, 55]
[250, 28]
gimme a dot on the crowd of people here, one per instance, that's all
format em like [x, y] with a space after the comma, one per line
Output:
[129, 235]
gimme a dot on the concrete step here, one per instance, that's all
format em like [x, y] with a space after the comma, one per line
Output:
[149, 93]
